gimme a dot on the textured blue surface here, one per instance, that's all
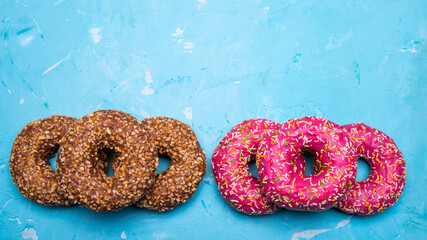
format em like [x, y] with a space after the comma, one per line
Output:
[213, 65]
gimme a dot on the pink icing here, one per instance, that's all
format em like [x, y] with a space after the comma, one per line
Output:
[386, 179]
[231, 170]
[280, 158]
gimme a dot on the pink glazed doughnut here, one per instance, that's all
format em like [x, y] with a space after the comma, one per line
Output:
[386, 179]
[279, 160]
[231, 170]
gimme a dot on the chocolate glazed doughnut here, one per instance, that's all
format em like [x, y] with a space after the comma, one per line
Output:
[187, 166]
[135, 155]
[29, 160]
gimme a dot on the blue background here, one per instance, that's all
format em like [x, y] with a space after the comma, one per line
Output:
[212, 65]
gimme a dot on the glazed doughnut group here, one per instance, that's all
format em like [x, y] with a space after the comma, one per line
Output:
[82, 162]
[280, 163]
[277, 150]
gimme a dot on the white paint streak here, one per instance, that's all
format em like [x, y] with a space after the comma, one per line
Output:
[266, 9]
[37, 24]
[17, 220]
[56, 64]
[10, 92]
[1, 210]
[29, 233]
[188, 112]
[203, 2]
[412, 50]
[2, 166]
[236, 82]
[188, 45]
[308, 234]
[123, 235]
[148, 77]
[99, 105]
[58, 2]
[21, 101]
[25, 41]
[160, 236]
[178, 32]
[147, 90]
[336, 41]
[343, 223]
[95, 34]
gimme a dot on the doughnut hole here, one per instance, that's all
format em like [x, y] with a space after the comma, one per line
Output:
[52, 156]
[164, 163]
[110, 156]
[308, 163]
[252, 168]
[363, 169]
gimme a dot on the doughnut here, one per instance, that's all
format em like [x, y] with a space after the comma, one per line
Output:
[29, 160]
[386, 179]
[278, 163]
[29, 163]
[134, 157]
[178, 183]
[231, 170]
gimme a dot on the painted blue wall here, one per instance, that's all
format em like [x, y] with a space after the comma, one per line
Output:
[212, 65]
